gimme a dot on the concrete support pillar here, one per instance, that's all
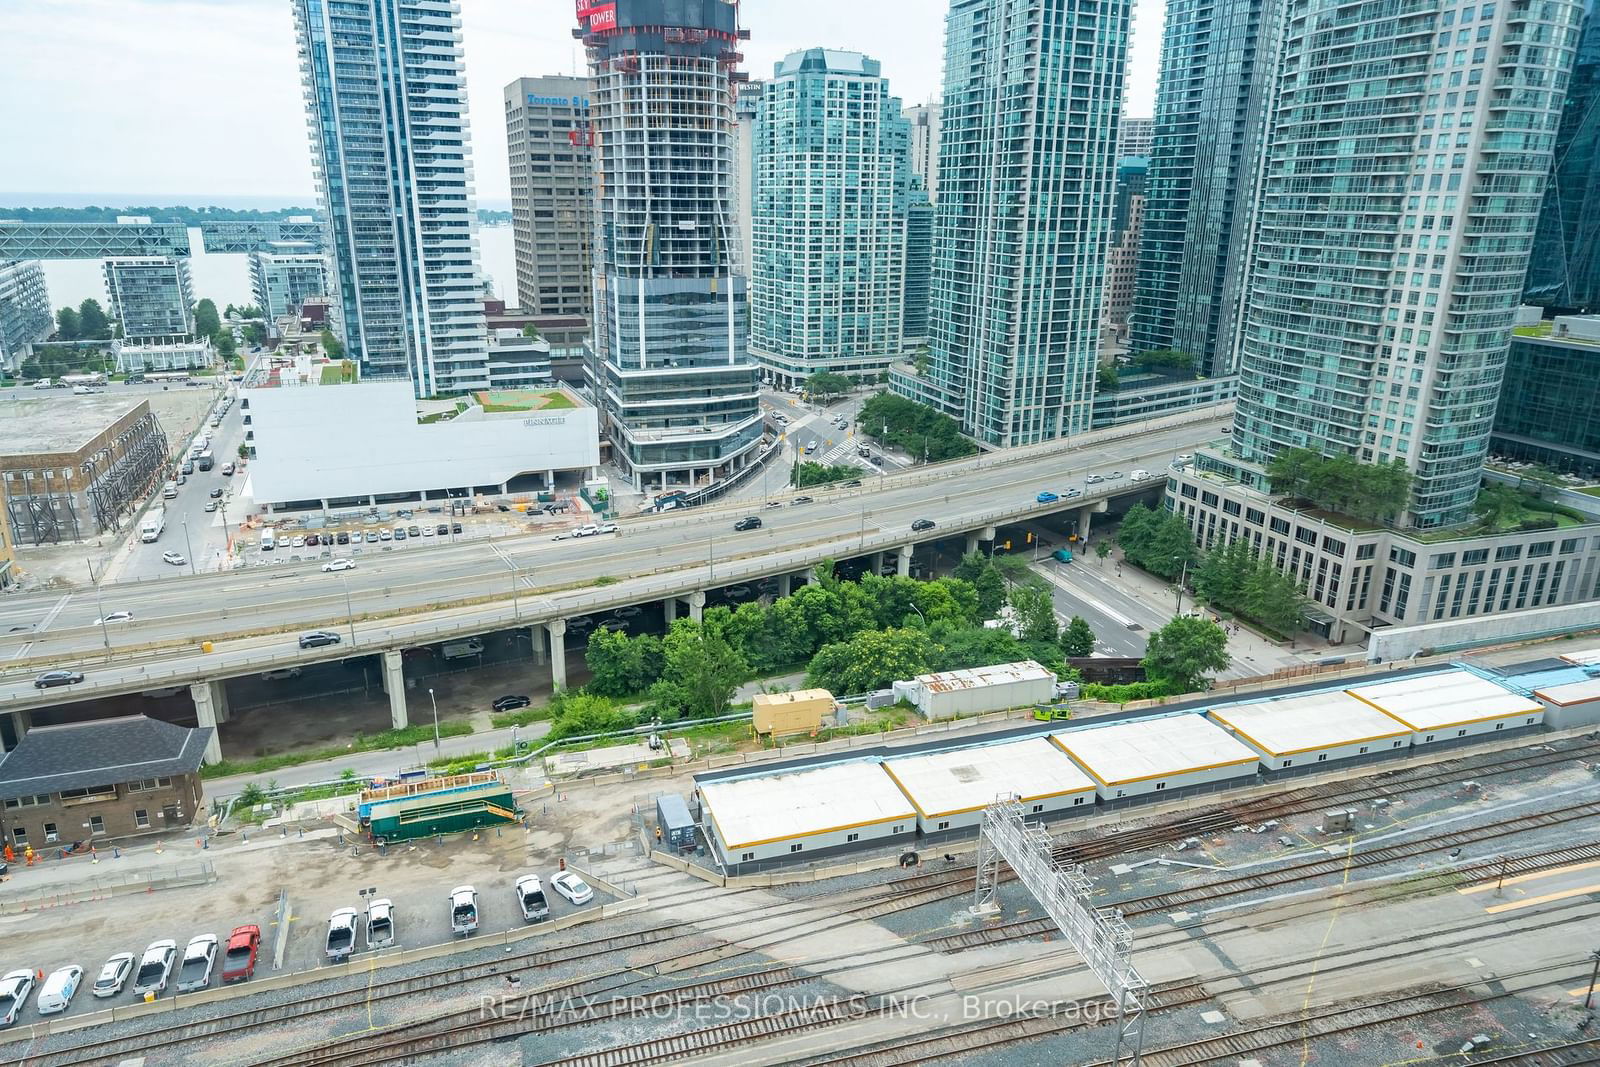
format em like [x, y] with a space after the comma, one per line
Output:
[785, 584]
[394, 683]
[536, 639]
[206, 712]
[697, 604]
[1083, 522]
[558, 653]
[808, 577]
[549, 479]
[876, 562]
[972, 543]
[21, 723]
[988, 533]
[903, 561]
[219, 702]
[669, 609]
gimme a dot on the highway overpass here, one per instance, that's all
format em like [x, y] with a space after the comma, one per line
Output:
[251, 617]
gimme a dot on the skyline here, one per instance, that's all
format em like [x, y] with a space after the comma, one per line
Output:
[146, 123]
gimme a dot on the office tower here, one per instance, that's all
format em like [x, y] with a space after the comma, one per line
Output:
[1219, 61]
[1027, 160]
[833, 187]
[668, 359]
[1549, 409]
[552, 192]
[745, 107]
[282, 278]
[1392, 252]
[1127, 220]
[1564, 272]
[924, 119]
[1134, 137]
[918, 269]
[25, 315]
[387, 108]
[150, 297]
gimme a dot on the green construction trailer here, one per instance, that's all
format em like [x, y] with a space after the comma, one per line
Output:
[425, 814]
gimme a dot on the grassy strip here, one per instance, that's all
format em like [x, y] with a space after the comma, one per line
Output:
[521, 717]
[387, 739]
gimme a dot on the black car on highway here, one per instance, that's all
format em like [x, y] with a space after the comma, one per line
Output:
[51, 679]
[749, 522]
[318, 638]
[922, 524]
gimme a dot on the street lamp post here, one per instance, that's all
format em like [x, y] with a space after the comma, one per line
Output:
[350, 612]
[435, 704]
[1588, 1002]
[1182, 580]
[98, 603]
[188, 544]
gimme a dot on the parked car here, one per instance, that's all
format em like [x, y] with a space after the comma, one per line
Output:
[339, 565]
[211, 505]
[341, 934]
[281, 674]
[749, 522]
[343, 537]
[572, 887]
[922, 524]
[51, 679]
[1046, 497]
[736, 592]
[455, 527]
[227, 470]
[399, 533]
[386, 535]
[174, 558]
[216, 494]
[463, 910]
[198, 959]
[14, 990]
[297, 541]
[530, 898]
[312, 540]
[511, 702]
[413, 531]
[318, 638]
[372, 536]
[380, 923]
[239, 959]
[113, 975]
[441, 529]
[155, 967]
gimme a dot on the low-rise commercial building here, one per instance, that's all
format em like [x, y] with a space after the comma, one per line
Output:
[1450, 705]
[1570, 694]
[1312, 729]
[74, 467]
[978, 689]
[321, 440]
[137, 357]
[99, 780]
[1156, 757]
[951, 788]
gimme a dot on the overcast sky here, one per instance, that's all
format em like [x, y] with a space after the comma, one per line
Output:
[202, 97]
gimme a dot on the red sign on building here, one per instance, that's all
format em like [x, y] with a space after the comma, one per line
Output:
[603, 17]
[586, 8]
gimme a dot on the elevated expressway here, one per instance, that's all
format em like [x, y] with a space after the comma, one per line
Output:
[251, 617]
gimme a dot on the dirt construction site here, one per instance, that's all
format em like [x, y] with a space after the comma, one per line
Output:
[1436, 909]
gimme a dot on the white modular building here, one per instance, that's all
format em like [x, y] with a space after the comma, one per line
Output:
[978, 689]
[1165, 754]
[1449, 705]
[803, 813]
[1312, 728]
[1583, 657]
[1570, 695]
[321, 441]
[951, 788]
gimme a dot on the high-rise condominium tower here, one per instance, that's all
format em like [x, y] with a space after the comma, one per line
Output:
[1219, 70]
[925, 127]
[668, 357]
[390, 148]
[1027, 165]
[1410, 147]
[833, 187]
[552, 192]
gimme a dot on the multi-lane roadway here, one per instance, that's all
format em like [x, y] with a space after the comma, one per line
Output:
[252, 616]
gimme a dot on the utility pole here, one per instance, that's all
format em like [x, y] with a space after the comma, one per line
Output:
[1588, 1001]
[187, 544]
[435, 704]
[1182, 580]
[349, 611]
[100, 604]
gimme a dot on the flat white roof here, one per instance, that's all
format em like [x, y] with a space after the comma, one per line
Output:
[1569, 693]
[1141, 749]
[1449, 698]
[1583, 656]
[968, 779]
[774, 807]
[1307, 723]
[976, 677]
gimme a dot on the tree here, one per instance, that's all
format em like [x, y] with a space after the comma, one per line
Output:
[871, 660]
[1102, 549]
[1184, 651]
[1497, 504]
[582, 714]
[1035, 611]
[620, 665]
[914, 428]
[69, 324]
[332, 347]
[971, 565]
[256, 332]
[1272, 598]
[92, 322]
[1107, 377]
[532, 332]
[1159, 541]
[1166, 359]
[701, 670]
[1342, 483]
[206, 319]
[1223, 573]
[826, 385]
[991, 590]
[1078, 638]
[809, 474]
[226, 347]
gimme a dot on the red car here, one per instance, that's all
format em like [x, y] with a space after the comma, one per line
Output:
[239, 962]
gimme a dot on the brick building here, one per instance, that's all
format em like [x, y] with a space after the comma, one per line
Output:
[100, 780]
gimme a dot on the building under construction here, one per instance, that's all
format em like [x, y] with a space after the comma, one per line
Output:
[432, 806]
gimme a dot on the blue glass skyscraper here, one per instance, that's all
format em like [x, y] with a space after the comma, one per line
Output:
[1564, 272]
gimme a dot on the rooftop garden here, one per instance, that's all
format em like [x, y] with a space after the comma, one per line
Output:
[496, 401]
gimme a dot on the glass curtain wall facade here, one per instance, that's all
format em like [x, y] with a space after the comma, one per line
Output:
[1409, 153]
[668, 359]
[1219, 63]
[1027, 165]
[832, 186]
[387, 104]
[1564, 273]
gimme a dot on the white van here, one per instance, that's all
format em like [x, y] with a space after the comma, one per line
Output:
[269, 540]
[55, 996]
[462, 649]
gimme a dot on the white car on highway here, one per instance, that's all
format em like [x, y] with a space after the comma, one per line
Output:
[174, 558]
[339, 565]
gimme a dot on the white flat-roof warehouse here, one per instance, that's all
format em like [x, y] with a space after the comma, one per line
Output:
[1583, 657]
[812, 810]
[1311, 728]
[1450, 704]
[1167, 753]
[950, 789]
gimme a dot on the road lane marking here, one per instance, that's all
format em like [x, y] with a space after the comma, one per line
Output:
[51, 616]
[1579, 891]
[1519, 879]
[1105, 609]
